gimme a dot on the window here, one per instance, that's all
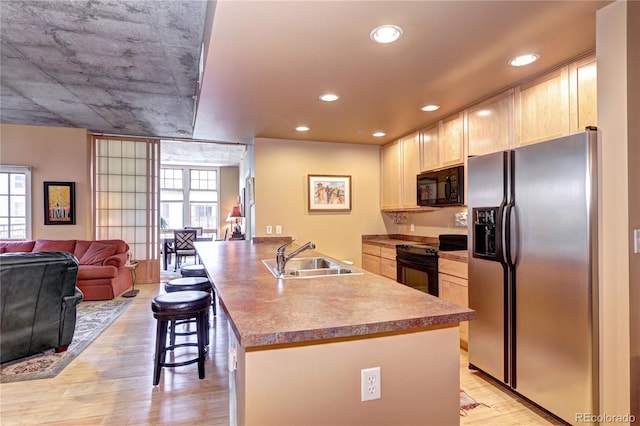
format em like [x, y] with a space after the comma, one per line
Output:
[189, 197]
[15, 202]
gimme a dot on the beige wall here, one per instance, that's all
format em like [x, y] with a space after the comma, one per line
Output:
[55, 154]
[281, 169]
[229, 179]
[633, 118]
[613, 45]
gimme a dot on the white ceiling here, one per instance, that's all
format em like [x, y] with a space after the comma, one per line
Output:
[130, 67]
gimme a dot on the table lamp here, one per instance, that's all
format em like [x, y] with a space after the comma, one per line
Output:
[237, 229]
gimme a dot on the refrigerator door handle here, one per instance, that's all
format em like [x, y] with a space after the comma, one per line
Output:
[510, 245]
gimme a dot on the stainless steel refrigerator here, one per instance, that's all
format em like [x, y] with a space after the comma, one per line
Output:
[533, 272]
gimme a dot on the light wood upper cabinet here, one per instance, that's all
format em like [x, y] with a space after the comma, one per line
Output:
[582, 94]
[490, 125]
[400, 166]
[410, 169]
[542, 108]
[391, 175]
[429, 148]
[452, 140]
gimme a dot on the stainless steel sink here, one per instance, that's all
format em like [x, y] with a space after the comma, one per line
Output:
[311, 267]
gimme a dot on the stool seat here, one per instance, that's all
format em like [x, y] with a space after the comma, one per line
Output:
[188, 283]
[180, 305]
[193, 271]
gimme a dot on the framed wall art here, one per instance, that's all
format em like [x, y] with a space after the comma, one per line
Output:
[329, 193]
[59, 203]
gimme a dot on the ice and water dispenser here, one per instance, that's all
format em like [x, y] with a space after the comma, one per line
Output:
[486, 233]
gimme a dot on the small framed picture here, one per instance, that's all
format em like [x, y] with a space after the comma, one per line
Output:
[59, 203]
[329, 193]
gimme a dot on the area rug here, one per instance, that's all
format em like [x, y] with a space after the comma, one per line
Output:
[92, 318]
[467, 403]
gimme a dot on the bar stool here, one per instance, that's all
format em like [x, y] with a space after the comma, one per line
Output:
[177, 306]
[193, 271]
[192, 283]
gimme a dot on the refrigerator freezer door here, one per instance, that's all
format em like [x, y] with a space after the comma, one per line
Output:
[555, 325]
[487, 295]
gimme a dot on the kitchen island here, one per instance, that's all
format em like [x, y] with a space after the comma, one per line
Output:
[301, 344]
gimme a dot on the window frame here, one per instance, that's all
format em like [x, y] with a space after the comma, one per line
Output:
[186, 192]
[26, 170]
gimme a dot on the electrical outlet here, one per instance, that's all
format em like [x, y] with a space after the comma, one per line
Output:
[269, 230]
[413, 228]
[636, 240]
[278, 229]
[370, 384]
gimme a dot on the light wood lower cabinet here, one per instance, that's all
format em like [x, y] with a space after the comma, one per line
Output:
[379, 260]
[388, 262]
[452, 280]
[371, 258]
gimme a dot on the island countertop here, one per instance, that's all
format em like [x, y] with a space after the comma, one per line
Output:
[264, 310]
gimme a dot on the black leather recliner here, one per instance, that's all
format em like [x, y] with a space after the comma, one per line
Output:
[38, 299]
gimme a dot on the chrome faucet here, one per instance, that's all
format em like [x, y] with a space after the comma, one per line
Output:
[281, 259]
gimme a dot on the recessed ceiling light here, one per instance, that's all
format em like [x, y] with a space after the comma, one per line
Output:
[182, 132]
[522, 60]
[429, 108]
[329, 97]
[302, 129]
[379, 134]
[483, 112]
[386, 33]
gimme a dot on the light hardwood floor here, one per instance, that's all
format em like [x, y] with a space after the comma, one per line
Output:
[110, 383]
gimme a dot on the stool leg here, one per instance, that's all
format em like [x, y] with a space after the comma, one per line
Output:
[161, 340]
[172, 333]
[202, 327]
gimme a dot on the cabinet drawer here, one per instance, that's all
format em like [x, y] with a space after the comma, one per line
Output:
[388, 268]
[452, 267]
[371, 263]
[388, 253]
[371, 249]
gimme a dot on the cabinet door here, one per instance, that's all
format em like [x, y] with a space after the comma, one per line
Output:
[429, 148]
[410, 169]
[583, 94]
[451, 140]
[388, 268]
[391, 175]
[490, 125]
[543, 108]
[455, 290]
[371, 263]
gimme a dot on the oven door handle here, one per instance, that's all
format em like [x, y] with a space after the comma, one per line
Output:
[433, 261]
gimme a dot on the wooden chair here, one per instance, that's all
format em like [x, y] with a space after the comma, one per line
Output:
[183, 245]
[197, 228]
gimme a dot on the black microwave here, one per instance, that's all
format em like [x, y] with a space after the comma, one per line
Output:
[440, 188]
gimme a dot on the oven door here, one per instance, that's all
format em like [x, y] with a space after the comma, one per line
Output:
[421, 274]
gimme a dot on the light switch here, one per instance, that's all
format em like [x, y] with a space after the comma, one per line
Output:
[636, 240]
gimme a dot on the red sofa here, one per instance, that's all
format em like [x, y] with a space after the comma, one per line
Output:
[101, 275]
